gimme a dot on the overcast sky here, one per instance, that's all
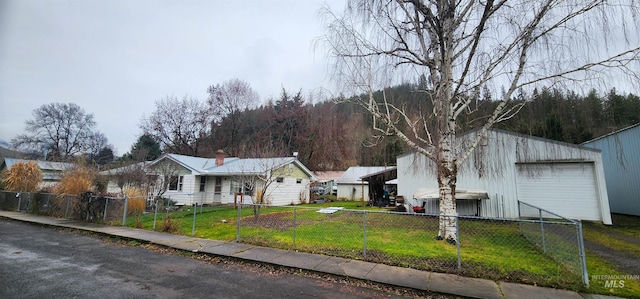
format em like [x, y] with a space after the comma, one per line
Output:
[116, 58]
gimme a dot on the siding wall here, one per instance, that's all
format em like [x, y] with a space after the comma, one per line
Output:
[288, 192]
[492, 167]
[186, 196]
[621, 159]
[346, 191]
[277, 194]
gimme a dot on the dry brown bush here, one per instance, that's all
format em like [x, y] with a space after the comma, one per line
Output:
[137, 201]
[23, 176]
[75, 181]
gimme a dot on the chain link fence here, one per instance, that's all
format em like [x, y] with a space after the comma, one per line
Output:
[541, 247]
[86, 207]
[557, 236]
[499, 249]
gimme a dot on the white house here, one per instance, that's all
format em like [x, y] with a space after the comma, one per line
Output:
[563, 178]
[274, 181]
[351, 186]
[621, 159]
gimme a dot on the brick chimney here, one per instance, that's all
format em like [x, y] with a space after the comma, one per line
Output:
[219, 157]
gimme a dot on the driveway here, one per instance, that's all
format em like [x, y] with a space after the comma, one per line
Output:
[605, 242]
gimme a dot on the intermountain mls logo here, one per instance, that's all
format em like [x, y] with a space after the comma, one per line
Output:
[614, 281]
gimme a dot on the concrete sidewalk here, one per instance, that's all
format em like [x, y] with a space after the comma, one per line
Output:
[403, 277]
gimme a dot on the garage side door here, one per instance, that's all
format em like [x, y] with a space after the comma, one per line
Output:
[567, 189]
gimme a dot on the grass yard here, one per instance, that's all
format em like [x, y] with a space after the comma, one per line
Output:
[489, 249]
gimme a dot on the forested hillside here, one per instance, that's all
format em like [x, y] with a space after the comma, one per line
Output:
[337, 134]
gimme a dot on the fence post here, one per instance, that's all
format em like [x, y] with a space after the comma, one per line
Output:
[66, 211]
[155, 214]
[238, 223]
[89, 205]
[49, 209]
[106, 204]
[19, 200]
[364, 225]
[520, 217]
[544, 245]
[193, 226]
[294, 226]
[124, 214]
[583, 258]
[458, 241]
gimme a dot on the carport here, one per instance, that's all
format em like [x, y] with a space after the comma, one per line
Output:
[381, 191]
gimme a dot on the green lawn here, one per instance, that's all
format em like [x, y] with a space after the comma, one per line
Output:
[489, 249]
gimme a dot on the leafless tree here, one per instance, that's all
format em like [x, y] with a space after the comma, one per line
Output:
[228, 100]
[178, 125]
[258, 177]
[98, 149]
[160, 174]
[132, 175]
[463, 46]
[63, 130]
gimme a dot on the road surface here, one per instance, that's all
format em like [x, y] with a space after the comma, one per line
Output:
[45, 262]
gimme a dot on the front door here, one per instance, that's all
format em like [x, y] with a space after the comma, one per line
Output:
[217, 193]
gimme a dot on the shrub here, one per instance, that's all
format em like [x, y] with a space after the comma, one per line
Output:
[23, 176]
[75, 181]
[170, 225]
[139, 223]
[137, 201]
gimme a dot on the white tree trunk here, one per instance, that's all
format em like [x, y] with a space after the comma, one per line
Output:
[447, 174]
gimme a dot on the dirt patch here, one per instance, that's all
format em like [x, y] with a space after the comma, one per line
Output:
[275, 220]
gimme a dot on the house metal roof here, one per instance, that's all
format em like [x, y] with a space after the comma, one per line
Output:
[354, 174]
[51, 171]
[324, 176]
[127, 168]
[233, 166]
[44, 165]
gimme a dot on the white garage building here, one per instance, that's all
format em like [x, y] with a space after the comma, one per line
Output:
[563, 178]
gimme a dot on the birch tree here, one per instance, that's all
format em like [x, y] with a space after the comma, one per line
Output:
[463, 47]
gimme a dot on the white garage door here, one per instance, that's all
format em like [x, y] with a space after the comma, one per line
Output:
[567, 189]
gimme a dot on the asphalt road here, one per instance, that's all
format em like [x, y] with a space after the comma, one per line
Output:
[45, 262]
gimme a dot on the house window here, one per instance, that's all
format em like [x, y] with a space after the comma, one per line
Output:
[248, 189]
[238, 187]
[279, 179]
[203, 183]
[298, 181]
[175, 183]
[180, 182]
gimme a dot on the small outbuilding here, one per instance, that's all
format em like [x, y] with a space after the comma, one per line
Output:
[621, 160]
[560, 177]
[352, 186]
